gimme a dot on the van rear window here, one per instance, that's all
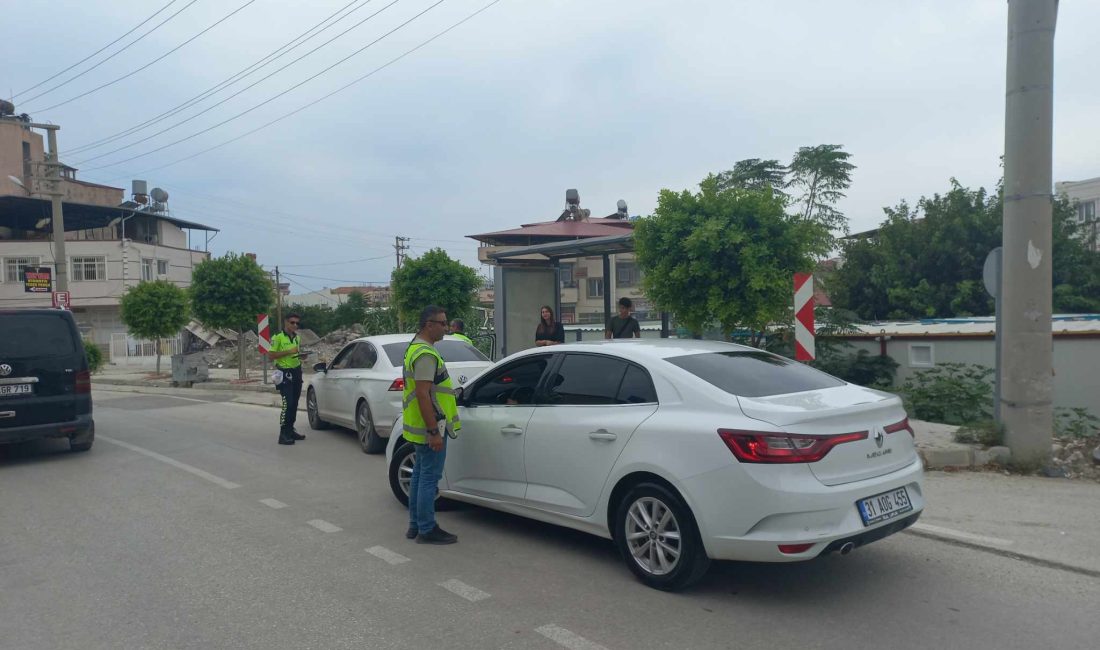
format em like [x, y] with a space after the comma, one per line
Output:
[26, 336]
[754, 373]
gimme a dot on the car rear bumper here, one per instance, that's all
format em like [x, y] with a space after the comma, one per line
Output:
[804, 512]
[81, 426]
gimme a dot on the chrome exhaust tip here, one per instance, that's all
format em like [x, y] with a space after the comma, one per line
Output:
[847, 548]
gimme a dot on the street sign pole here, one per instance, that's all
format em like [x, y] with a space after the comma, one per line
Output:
[991, 277]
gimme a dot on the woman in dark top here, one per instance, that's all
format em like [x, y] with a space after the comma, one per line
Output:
[549, 332]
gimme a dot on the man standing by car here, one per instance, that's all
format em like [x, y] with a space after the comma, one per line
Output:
[285, 352]
[623, 326]
[458, 330]
[430, 415]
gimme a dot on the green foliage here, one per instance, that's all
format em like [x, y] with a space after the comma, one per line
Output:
[982, 432]
[353, 311]
[822, 173]
[230, 291]
[434, 279]
[154, 310]
[755, 174]
[319, 318]
[1076, 423]
[950, 393]
[94, 355]
[723, 256]
[926, 262]
[383, 320]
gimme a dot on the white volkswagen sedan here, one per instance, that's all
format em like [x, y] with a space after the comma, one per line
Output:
[682, 451]
[361, 388]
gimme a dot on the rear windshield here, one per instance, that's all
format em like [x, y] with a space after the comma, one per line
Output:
[754, 373]
[27, 336]
[451, 351]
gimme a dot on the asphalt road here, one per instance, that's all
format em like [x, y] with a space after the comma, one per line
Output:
[186, 526]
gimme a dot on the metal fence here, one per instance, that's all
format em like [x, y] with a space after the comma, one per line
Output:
[127, 350]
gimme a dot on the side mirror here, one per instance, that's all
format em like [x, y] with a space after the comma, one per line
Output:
[458, 394]
[319, 367]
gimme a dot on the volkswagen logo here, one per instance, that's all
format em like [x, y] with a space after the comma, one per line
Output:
[879, 438]
[5, 370]
[462, 379]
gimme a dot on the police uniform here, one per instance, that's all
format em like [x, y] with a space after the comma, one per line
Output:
[462, 337]
[291, 385]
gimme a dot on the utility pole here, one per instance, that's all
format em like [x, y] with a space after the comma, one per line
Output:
[278, 299]
[400, 245]
[1026, 384]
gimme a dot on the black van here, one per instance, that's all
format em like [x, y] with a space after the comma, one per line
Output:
[45, 385]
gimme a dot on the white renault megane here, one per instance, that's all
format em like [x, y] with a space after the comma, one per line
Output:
[682, 451]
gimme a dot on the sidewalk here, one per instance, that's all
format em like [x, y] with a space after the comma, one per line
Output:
[1049, 521]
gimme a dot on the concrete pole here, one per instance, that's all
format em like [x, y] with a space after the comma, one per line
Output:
[61, 261]
[1026, 382]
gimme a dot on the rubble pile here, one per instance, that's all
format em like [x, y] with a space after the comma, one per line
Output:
[1078, 457]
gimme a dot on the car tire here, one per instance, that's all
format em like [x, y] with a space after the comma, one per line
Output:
[404, 457]
[669, 557]
[315, 421]
[84, 442]
[369, 440]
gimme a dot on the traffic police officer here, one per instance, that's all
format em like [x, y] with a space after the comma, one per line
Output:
[458, 330]
[285, 352]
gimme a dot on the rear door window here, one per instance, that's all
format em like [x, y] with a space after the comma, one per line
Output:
[637, 387]
[29, 336]
[754, 373]
[586, 380]
[451, 351]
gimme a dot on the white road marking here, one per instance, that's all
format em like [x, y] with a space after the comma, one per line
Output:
[459, 588]
[324, 526]
[229, 485]
[273, 503]
[387, 555]
[958, 534]
[564, 637]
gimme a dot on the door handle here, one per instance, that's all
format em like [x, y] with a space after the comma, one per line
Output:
[511, 430]
[602, 434]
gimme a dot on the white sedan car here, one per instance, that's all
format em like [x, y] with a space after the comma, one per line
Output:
[682, 451]
[361, 387]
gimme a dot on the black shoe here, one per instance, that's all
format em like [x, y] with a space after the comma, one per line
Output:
[437, 536]
[297, 436]
[285, 441]
[411, 533]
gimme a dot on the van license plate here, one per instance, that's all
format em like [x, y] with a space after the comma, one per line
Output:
[15, 389]
[882, 507]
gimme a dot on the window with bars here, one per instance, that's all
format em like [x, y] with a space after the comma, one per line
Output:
[626, 274]
[89, 269]
[13, 267]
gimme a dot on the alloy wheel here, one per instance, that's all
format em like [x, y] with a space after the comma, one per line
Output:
[653, 536]
[405, 472]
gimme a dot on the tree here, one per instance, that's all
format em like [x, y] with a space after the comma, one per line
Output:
[352, 311]
[434, 279]
[229, 292]
[926, 262]
[723, 256]
[319, 318]
[154, 310]
[755, 174]
[822, 173]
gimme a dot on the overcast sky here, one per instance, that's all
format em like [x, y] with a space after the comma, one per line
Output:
[486, 127]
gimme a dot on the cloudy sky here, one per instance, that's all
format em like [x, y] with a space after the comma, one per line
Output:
[485, 127]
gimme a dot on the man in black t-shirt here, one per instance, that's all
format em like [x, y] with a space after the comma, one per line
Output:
[623, 326]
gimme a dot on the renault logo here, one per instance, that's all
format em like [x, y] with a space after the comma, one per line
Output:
[5, 370]
[879, 438]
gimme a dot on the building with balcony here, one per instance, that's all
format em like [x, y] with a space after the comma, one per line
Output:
[1085, 196]
[111, 243]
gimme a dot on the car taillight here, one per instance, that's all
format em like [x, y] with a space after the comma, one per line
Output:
[83, 382]
[398, 384]
[769, 447]
[898, 426]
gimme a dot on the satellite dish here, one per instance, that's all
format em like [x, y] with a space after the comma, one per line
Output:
[159, 195]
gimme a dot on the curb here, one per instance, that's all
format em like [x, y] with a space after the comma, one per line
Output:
[164, 383]
[247, 397]
[1003, 552]
[963, 457]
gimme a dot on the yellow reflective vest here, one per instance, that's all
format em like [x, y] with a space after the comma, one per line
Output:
[463, 337]
[442, 394]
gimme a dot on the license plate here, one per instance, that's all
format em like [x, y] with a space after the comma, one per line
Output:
[15, 389]
[885, 506]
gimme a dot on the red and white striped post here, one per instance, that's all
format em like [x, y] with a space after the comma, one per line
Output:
[804, 317]
[263, 333]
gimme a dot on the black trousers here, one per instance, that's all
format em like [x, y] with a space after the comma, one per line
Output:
[291, 390]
